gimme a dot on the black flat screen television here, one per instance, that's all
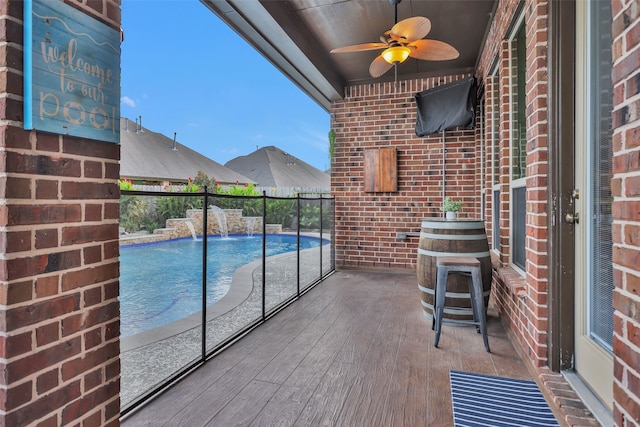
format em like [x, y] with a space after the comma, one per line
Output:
[446, 107]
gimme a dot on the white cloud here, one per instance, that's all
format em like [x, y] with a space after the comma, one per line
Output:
[314, 137]
[128, 101]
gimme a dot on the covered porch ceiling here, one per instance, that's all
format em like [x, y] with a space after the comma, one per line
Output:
[297, 36]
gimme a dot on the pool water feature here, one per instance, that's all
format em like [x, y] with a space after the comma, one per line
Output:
[221, 217]
[251, 222]
[192, 230]
[162, 282]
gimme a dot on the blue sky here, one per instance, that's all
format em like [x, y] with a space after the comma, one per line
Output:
[174, 76]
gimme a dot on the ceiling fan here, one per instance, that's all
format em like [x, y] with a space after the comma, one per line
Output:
[404, 40]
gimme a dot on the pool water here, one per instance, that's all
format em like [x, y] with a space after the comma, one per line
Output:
[162, 282]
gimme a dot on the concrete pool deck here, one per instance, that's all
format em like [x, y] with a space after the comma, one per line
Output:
[151, 357]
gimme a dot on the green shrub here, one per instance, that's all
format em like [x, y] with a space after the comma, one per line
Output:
[137, 213]
[202, 180]
[250, 207]
[125, 184]
[281, 211]
[175, 206]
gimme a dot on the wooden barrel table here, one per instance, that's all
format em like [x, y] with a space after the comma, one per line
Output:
[440, 237]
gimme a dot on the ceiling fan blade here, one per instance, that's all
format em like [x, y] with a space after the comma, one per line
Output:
[379, 66]
[411, 29]
[432, 50]
[359, 47]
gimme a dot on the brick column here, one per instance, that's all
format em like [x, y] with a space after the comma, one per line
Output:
[59, 324]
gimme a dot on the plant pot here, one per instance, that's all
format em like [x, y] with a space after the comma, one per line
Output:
[451, 215]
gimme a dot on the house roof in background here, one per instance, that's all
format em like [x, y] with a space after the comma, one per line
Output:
[150, 155]
[272, 167]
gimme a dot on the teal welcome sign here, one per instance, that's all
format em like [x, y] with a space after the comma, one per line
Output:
[72, 72]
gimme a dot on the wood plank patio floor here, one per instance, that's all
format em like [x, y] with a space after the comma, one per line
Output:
[354, 351]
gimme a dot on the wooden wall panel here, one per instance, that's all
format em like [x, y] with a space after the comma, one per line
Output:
[380, 170]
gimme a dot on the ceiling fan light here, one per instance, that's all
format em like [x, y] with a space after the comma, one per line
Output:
[396, 54]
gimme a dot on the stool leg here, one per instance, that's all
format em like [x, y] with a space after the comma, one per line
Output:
[441, 290]
[433, 317]
[435, 299]
[473, 302]
[479, 305]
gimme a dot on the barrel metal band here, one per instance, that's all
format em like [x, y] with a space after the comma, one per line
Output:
[454, 254]
[454, 225]
[454, 236]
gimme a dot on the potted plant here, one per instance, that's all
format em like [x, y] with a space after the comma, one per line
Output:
[451, 207]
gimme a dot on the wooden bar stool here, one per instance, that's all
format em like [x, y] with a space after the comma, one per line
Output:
[470, 267]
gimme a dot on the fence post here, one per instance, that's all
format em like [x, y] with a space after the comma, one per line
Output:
[321, 203]
[298, 246]
[333, 234]
[205, 203]
[264, 255]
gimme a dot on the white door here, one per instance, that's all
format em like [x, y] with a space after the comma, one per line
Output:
[594, 270]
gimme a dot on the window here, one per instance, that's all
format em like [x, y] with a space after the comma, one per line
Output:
[493, 117]
[518, 155]
[599, 217]
[483, 147]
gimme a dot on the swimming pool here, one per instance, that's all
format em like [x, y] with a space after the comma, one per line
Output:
[162, 282]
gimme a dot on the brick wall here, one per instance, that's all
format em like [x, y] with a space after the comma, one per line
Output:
[521, 298]
[59, 327]
[377, 115]
[626, 210]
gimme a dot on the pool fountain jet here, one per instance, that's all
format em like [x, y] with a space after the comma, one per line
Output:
[191, 229]
[251, 221]
[222, 220]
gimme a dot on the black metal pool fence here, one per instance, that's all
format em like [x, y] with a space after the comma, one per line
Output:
[153, 360]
